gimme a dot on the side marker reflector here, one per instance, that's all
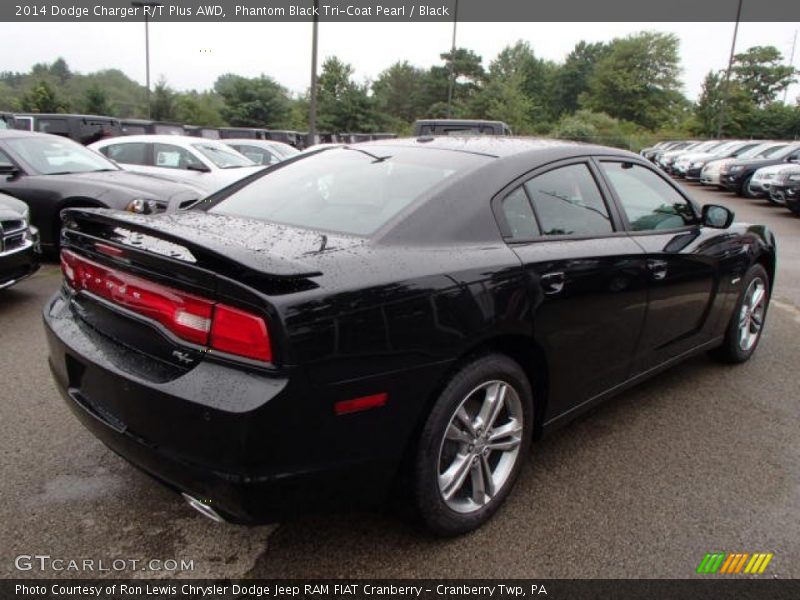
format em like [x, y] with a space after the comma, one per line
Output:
[358, 404]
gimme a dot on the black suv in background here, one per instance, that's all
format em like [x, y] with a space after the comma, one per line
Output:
[84, 129]
[424, 127]
[144, 126]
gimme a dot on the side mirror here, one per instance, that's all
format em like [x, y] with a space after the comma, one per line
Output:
[717, 216]
[197, 167]
[8, 170]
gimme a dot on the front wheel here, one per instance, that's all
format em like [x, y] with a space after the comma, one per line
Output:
[473, 445]
[747, 191]
[747, 322]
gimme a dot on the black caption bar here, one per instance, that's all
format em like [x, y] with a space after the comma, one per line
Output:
[402, 10]
[425, 589]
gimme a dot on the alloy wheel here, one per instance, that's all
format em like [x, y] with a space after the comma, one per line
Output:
[751, 315]
[480, 447]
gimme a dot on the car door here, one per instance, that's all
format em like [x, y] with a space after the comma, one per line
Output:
[682, 265]
[587, 277]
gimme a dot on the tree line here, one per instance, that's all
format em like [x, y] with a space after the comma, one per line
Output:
[623, 92]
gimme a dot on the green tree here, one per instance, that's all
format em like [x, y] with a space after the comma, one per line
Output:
[199, 108]
[637, 80]
[398, 92]
[738, 113]
[95, 101]
[162, 102]
[60, 70]
[344, 105]
[43, 98]
[572, 78]
[760, 72]
[253, 102]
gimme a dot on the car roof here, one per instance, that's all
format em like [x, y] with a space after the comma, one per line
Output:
[178, 140]
[495, 146]
[253, 142]
[20, 133]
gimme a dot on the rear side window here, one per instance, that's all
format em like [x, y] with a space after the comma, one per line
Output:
[134, 153]
[567, 201]
[648, 201]
[54, 126]
[519, 215]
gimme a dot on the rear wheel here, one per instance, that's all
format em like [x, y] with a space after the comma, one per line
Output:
[473, 445]
[747, 322]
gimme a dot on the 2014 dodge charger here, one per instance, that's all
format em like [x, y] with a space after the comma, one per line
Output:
[404, 314]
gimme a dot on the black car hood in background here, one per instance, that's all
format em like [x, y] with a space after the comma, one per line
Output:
[117, 188]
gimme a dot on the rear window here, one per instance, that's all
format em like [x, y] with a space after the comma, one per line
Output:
[347, 190]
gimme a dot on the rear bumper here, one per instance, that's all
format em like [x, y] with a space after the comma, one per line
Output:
[256, 449]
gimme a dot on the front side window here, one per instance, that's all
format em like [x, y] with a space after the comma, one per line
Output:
[648, 201]
[134, 153]
[567, 201]
[175, 157]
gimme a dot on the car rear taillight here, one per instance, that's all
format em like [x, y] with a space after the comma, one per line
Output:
[238, 332]
[190, 317]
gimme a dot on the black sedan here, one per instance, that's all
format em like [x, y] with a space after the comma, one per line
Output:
[736, 175]
[50, 173]
[397, 315]
[19, 242]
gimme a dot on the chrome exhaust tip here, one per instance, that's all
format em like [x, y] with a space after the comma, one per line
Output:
[203, 508]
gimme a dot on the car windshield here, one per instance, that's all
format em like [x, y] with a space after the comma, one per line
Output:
[346, 190]
[761, 150]
[724, 148]
[52, 155]
[783, 152]
[223, 157]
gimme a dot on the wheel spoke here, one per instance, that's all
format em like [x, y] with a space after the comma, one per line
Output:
[456, 435]
[478, 483]
[487, 474]
[466, 421]
[758, 297]
[513, 427]
[758, 320]
[492, 403]
[453, 478]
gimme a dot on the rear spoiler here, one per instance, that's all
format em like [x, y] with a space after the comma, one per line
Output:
[183, 244]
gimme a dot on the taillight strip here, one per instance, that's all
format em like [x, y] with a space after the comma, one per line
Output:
[190, 317]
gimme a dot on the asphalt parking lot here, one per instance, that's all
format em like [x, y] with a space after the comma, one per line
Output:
[703, 458]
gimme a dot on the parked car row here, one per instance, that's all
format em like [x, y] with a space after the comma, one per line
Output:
[87, 129]
[750, 168]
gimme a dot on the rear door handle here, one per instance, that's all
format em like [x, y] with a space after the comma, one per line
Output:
[658, 268]
[553, 283]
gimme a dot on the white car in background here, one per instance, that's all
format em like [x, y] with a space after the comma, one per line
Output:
[262, 152]
[711, 171]
[763, 178]
[208, 165]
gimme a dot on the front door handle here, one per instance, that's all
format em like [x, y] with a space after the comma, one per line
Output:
[553, 283]
[658, 268]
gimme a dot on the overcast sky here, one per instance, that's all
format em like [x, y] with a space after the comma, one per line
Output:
[193, 55]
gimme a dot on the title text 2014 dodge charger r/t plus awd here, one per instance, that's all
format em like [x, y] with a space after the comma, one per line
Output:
[391, 315]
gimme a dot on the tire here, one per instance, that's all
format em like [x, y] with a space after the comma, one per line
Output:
[740, 344]
[745, 189]
[445, 506]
